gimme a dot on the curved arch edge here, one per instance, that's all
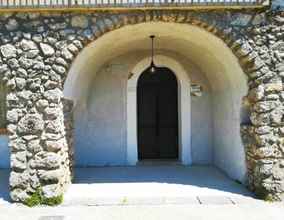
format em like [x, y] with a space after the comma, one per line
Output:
[183, 108]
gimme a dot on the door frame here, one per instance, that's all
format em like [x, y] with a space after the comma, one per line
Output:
[184, 109]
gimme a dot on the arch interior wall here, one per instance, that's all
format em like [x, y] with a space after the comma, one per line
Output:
[214, 117]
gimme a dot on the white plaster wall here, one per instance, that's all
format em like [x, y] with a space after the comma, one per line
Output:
[100, 126]
[100, 134]
[219, 141]
[228, 147]
[4, 152]
[202, 128]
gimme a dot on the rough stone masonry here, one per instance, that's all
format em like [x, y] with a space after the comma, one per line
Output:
[37, 50]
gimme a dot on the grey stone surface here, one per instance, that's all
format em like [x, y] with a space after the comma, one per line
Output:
[8, 51]
[31, 124]
[79, 21]
[12, 24]
[46, 49]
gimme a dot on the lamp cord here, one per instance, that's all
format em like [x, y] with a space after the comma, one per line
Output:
[152, 37]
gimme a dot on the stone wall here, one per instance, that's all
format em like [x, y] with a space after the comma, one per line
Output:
[36, 53]
[263, 139]
[69, 131]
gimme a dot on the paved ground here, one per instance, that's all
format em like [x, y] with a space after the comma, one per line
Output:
[148, 193]
[4, 187]
[154, 185]
[162, 212]
[148, 185]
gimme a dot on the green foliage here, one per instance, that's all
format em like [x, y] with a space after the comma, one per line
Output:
[37, 198]
[53, 201]
[269, 198]
[34, 199]
[263, 194]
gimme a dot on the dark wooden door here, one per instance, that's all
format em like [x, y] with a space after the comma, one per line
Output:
[157, 115]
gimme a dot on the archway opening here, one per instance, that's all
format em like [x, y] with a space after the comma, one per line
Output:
[157, 115]
[184, 126]
[99, 80]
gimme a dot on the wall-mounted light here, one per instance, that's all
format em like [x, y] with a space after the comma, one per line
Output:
[196, 90]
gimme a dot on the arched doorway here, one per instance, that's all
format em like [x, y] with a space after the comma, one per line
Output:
[184, 108]
[103, 85]
[157, 109]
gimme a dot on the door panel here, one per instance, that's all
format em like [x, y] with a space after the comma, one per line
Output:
[157, 115]
[147, 123]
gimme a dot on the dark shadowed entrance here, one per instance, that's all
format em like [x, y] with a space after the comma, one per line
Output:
[157, 115]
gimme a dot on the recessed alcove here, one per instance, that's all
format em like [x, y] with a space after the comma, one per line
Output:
[98, 83]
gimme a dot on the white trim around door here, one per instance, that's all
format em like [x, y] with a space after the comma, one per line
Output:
[184, 113]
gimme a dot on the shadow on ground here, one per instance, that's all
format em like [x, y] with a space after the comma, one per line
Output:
[4, 186]
[146, 185]
[196, 176]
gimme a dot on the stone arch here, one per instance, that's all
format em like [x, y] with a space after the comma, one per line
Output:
[239, 48]
[58, 50]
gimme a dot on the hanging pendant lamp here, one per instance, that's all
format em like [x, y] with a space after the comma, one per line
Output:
[152, 66]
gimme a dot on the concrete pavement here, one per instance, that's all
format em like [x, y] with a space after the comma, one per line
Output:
[148, 193]
[263, 211]
[148, 185]
[155, 185]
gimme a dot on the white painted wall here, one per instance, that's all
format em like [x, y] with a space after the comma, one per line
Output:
[97, 83]
[101, 122]
[202, 124]
[100, 134]
[4, 152]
